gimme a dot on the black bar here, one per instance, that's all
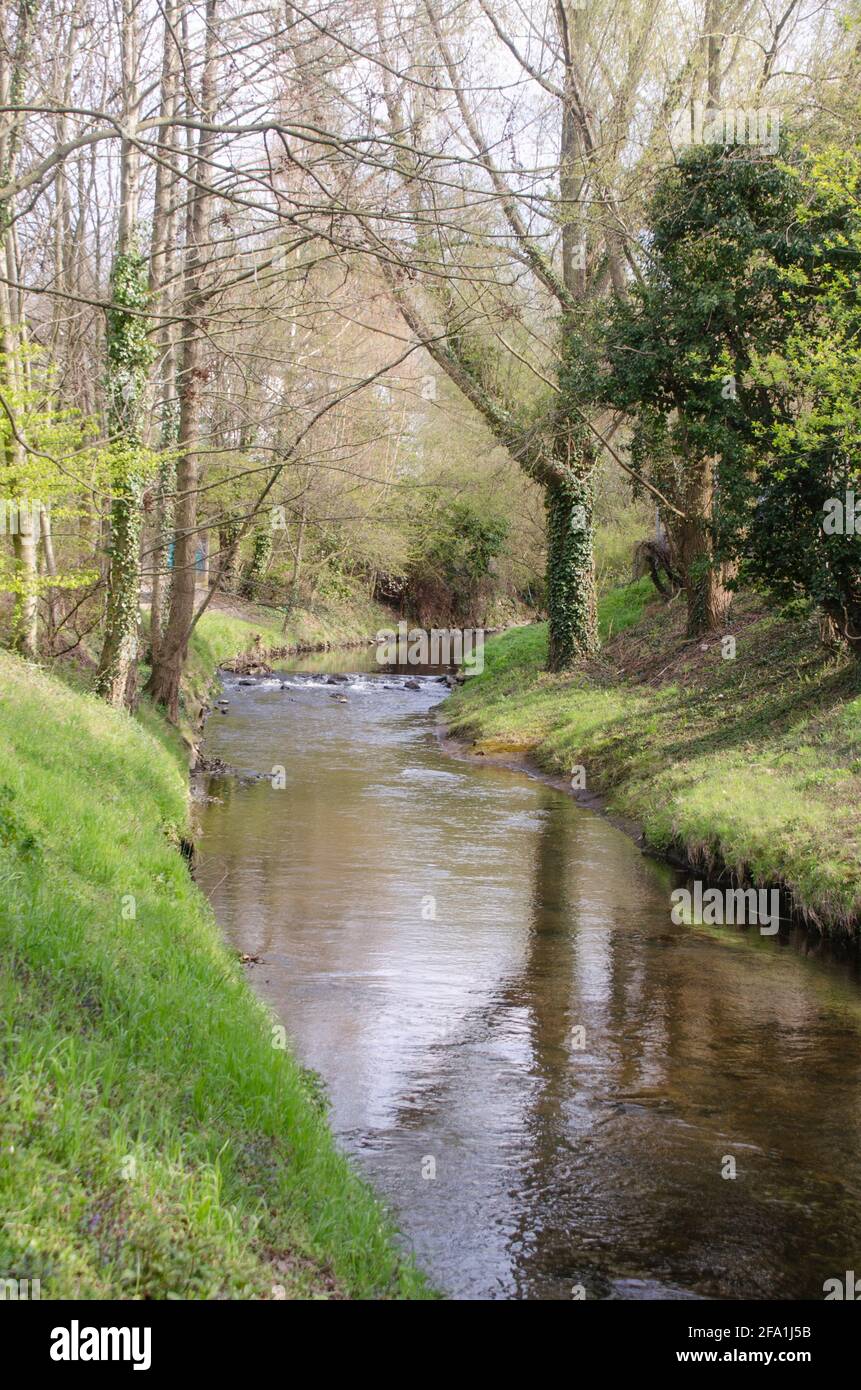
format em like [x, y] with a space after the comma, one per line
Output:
[265, 1338]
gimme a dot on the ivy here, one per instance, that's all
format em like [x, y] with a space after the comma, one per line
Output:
[261, 552]
[571, 606]
[129, 351]
[569, 504]
[129, 355]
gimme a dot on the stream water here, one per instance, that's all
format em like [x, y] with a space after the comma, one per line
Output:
[540, 1073]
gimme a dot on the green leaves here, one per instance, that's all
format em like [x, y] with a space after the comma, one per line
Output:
[744, 346]
[129, 352]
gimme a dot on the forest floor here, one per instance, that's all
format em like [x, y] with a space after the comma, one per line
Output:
[156, 1141]
[747, 764]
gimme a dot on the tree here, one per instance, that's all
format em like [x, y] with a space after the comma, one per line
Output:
[169, 659]
[14, 62]
[165, 226]
[520, 144]
[792, 496]
[315, 181]
[740, 355]
[677, 351]
[461, 315]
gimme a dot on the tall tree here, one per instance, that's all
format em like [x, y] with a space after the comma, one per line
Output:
[128, 359]
[168, 187]
[17, 25]
[168, 661]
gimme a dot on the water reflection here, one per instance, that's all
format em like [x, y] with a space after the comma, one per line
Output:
[434, 934]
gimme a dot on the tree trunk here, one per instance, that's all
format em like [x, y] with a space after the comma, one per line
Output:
[116, 677]
[228, 545]
[162, 259]
[571, 600]
[261, 554]
[50, 566]
[128, 355]
[13, 72]
[705, 580]
[166, 677]
[163, 533]
[25, 547]
[293, 596]
[168, 662]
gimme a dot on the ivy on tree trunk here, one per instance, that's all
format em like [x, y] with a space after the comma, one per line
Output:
[128, 354]
[571, 604]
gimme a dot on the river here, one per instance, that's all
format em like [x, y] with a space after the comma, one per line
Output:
[542, 1075]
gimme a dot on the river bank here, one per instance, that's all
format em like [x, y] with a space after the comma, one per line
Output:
[158, 1139]
[746, 764]
[543, 1074]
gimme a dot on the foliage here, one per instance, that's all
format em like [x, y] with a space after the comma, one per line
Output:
[50, 450]
[454, 547]
[742, 345]
[260, 556]
[807, 386]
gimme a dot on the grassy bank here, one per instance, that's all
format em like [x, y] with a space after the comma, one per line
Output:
[751, 763]
[336, 624]
[155, 1141]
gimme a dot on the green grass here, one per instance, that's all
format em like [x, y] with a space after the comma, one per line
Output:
[221, 632]
[621, 608]
[153, 1141]
[751, 764]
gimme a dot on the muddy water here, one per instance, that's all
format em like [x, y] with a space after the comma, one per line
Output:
[434, 933]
